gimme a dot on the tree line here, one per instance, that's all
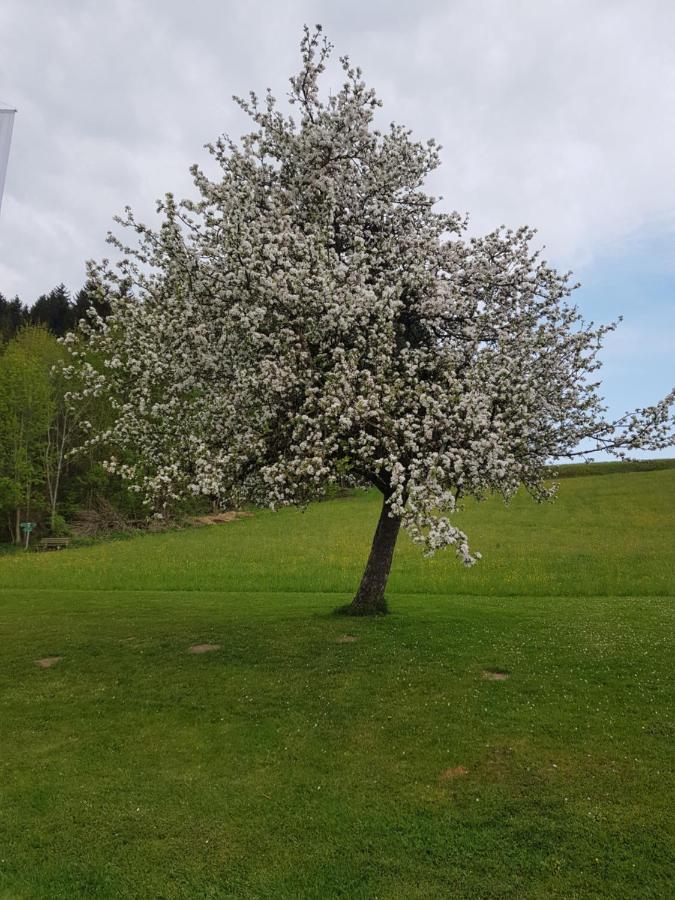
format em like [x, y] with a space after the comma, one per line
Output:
[40, 481]
[57, 311]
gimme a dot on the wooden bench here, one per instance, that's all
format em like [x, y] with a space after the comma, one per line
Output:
[53, 543]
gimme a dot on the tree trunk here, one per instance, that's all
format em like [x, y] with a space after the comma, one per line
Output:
[369, 599]
[54, 478]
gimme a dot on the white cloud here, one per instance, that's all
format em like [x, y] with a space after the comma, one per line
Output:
[557, 114]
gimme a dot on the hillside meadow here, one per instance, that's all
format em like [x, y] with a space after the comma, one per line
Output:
[506, 732]
[604, 535]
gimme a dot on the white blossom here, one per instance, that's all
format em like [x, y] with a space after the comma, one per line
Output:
[312, 318]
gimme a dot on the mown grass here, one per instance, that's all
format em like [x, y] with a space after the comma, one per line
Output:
[290, 764]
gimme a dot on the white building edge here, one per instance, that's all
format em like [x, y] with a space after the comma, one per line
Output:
[7, 114]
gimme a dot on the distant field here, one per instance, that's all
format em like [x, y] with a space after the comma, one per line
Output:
[506, 733]
[574, 470]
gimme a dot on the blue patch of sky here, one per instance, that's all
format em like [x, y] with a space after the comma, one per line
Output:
[636, 279]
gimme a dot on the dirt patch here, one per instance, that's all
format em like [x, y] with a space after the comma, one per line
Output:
[222, 518]
[48, 662]
[203, 648]
[495, 675]
[346, 639]
[451, 774]
[500, 763]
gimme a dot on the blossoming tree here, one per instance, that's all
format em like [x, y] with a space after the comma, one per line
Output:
[312, 318]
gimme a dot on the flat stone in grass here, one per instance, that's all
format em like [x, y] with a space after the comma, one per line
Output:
[495, 675]
[451, 774]
[222, 518]
[346, 639]
[47, 662]
[203, 648]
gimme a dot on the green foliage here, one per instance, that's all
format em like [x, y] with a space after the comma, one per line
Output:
[59, 526]
[38, 479]
[27, 405]
[56, 311]
[13, 316]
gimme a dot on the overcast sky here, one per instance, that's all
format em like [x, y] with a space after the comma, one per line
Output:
[555, 113]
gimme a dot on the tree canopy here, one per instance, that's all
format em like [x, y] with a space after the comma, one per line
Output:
[313, 318]
[56, 310]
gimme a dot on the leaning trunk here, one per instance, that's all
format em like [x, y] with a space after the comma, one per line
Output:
[369, 599]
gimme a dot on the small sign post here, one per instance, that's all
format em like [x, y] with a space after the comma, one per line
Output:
[27, 527]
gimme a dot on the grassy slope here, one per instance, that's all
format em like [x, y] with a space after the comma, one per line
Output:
[608, 535]
[290, 765]
[574, 470]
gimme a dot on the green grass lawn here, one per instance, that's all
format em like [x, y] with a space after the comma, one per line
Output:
[606, 535]
[291, 763]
